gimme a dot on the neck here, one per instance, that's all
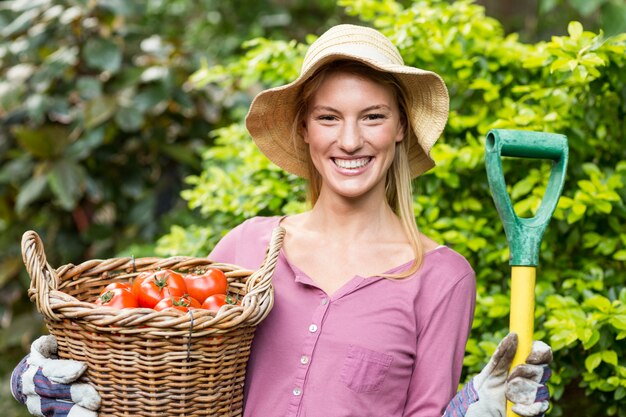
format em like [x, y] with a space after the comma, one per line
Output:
[348, 219]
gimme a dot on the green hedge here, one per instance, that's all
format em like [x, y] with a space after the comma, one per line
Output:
[574, 85]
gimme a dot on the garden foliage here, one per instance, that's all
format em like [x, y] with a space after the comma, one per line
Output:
[100, 122]
[573, 84]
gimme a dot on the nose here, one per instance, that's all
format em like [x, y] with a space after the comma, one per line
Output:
[350, 138]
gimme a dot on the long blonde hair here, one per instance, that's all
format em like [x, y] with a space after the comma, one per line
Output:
[398, 187]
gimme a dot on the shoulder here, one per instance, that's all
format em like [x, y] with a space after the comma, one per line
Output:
[258, 225]
[246, 243]
[445, 270]
[446, 285]
[253, 227]
[444, 259]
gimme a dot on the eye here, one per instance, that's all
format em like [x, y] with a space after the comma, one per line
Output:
[326, 117]
[375, 116]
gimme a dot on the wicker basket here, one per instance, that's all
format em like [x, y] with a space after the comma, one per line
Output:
[153, 363]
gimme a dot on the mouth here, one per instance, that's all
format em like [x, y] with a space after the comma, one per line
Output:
[354, 163]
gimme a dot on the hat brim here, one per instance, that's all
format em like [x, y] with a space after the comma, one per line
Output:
[272, 113]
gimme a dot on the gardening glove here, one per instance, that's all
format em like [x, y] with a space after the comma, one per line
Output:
[46, 384]
[526, 385]
[485, 394]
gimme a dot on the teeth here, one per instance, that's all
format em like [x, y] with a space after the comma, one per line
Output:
[351, 163]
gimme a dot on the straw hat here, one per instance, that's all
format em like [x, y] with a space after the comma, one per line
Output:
[272, 111]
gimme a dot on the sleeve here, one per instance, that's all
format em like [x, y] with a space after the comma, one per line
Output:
[226, 249]
[440, 351]
[246, 244]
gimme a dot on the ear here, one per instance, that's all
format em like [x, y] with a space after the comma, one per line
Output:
[304, 132]
[400, 133]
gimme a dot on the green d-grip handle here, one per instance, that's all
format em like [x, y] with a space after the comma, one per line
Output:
[524, 234]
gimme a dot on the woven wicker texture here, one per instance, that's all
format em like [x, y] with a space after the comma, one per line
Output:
[153, 363]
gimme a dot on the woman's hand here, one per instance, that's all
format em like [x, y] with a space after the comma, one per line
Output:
[526, 385]
[485, 394]
[47, 385]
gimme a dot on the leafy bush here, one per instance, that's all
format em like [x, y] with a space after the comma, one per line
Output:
[574, 85]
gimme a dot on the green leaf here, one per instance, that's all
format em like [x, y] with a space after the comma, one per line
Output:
[523, 187]
[587, 186]
[603, 206]
[29, 192]
[66, 179]
[124, 8]
[610, 357]
[575, 30]
[22, 22]
[149, 97]
[592, 60]
[99, 110]
[46, 142]
[619, 321]
[578, 208]
[523, 207]
[103, 54]
[591, 239]
[89, 87]
[17, 171]
[129, 119]
[85, 145]
[592, 340]
[620, 255]
[593, 361]
[563, 64]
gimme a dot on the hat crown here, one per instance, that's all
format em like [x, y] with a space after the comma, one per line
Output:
[358, 42]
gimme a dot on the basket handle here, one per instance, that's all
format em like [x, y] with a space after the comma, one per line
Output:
[43, 277]
[260, 282]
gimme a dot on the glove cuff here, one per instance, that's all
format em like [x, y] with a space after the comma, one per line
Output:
[17, 389]
[462, 400]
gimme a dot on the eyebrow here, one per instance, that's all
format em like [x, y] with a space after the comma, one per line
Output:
[370, 108]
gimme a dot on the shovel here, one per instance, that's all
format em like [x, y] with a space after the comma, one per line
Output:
[524, 234]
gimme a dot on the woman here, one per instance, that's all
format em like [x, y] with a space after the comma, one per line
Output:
[371, 317]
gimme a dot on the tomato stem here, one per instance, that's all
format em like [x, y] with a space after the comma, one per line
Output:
[106, 297]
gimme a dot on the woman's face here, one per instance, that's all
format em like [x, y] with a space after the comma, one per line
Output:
[352, 127]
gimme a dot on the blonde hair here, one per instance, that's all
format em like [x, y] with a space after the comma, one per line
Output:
[398, 187]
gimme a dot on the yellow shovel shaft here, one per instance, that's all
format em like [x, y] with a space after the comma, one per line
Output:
[522, 314]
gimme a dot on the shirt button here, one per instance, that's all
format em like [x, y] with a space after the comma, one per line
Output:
[297, 391]
[313, 328]
[324, 301]
[304, 359]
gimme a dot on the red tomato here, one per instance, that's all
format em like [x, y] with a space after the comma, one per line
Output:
[117, 298]
[113, 285]
[152, 288]
[215, 301]
[183, 303]
[200, 286]
[141, 277]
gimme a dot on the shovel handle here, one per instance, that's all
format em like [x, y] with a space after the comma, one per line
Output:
[522, 317]
[524, 234]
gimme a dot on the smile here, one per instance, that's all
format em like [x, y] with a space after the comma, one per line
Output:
[352, 163]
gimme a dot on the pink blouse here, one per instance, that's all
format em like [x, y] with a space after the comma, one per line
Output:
[377, 347]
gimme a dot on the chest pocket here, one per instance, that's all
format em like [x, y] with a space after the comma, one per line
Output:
[364, 370]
